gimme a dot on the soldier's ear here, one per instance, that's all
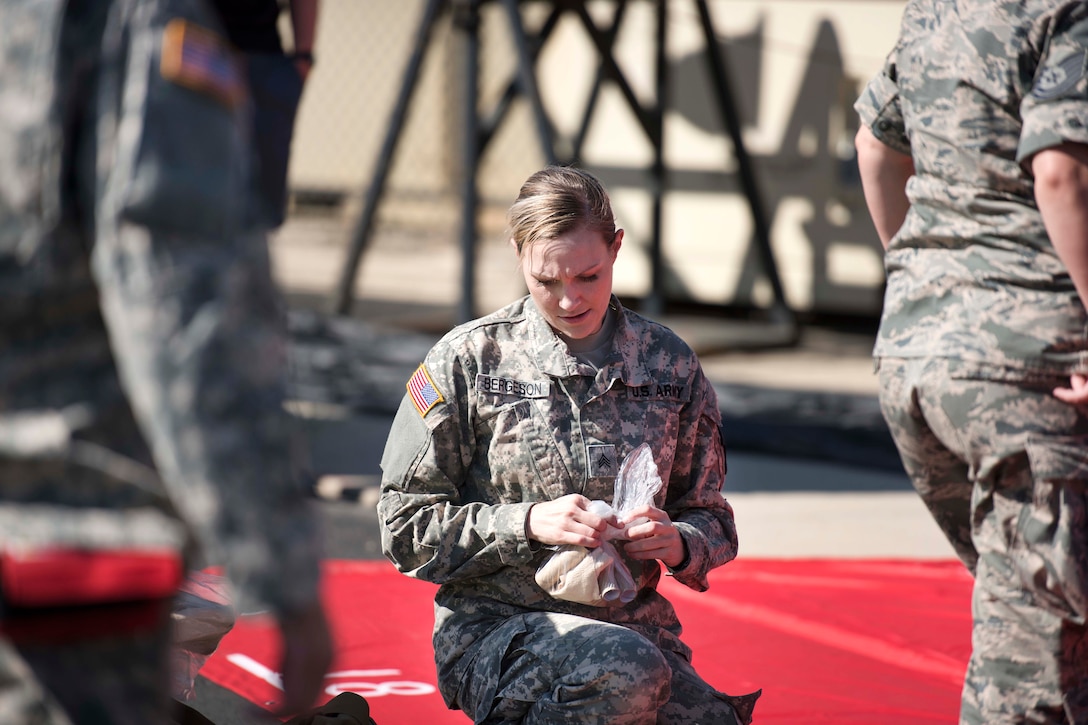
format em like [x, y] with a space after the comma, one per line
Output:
[617, 242]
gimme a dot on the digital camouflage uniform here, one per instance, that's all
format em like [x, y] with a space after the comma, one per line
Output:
[981, 321]
[141, 380]
[504, 416]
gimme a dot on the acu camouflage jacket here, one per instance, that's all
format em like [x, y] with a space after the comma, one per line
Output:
[503, 416]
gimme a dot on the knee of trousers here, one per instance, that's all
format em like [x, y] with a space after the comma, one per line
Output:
[623, 665]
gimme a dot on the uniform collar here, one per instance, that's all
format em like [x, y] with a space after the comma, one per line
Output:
[625, 362]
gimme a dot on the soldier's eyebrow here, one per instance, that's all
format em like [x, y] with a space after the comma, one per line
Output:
[592, 271]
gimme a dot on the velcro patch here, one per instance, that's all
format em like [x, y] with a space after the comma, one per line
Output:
[422, 391]
[1060, 78]
[659, 391]
[201, 60]
[516, 388]
[602, 461]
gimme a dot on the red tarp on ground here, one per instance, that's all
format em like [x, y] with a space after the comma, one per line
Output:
[835, 641]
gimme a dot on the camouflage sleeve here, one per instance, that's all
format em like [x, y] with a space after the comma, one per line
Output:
[1053, 111]
[879, 110]
[194, 318]
[694, 500]
[428, 529]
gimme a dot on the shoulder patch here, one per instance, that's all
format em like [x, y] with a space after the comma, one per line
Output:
[1055, 80]
[423, 391]
[202, 61]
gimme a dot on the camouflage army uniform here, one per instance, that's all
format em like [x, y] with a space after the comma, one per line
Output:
[141, 380]
[981, 321]
[506, 417]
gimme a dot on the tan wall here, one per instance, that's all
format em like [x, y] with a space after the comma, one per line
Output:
[796, 67]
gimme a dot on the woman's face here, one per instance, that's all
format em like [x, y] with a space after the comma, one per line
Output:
[570, 279]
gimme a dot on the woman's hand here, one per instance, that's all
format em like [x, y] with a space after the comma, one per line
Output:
[566, 520]
[652, 535]
[1076, 393]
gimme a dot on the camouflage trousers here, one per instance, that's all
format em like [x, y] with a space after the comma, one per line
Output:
[110, 678]
[547, 668]
[1003, 467]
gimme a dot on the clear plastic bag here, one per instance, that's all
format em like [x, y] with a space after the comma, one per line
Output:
[598, 576]
[201, 617]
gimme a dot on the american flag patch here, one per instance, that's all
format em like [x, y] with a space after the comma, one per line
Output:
[423, 392]
[202, 61]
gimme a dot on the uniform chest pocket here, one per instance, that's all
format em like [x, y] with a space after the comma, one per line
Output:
[656, 422]
[520, 459]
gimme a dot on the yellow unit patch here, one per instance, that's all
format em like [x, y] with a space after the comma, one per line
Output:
[201, 60]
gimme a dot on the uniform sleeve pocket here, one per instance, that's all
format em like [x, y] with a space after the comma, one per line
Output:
[883, 115]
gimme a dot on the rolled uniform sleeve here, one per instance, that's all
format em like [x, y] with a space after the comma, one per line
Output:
[879, 109]
[195, 320]
[430, 529]
[1053, 111]
[695, 502]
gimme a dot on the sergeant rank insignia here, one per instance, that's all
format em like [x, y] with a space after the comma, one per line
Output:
[602, 461]
[1059, 78]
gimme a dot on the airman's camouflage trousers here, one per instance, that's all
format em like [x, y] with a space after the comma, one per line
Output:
[547, 668]
[1003, 467]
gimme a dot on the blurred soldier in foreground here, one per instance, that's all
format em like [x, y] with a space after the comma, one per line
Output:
[142, 375]
[973, 152]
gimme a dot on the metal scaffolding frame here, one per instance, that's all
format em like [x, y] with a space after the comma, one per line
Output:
[478, 132]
